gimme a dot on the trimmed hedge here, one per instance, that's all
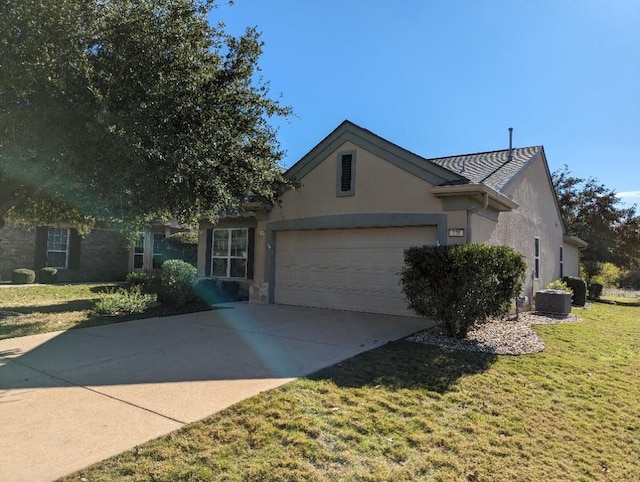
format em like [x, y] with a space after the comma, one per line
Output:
[23, 276]
[47, 275]
[630, 280]
[595, 291]
[579, 287]
[461, 285]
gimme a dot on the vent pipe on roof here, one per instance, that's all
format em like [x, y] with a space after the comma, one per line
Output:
[510, 157]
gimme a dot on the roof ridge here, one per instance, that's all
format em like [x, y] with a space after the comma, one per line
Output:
[480, 153]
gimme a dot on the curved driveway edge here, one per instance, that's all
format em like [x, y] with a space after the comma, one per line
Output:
[70, 399]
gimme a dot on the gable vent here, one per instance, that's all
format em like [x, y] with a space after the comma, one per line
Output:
[345, 176]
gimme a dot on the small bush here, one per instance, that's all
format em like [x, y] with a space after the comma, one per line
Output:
[124, 302]
[137, 278]
[213, 291]
[47, 275]
[579, 288]
[177, 282]
[595, 291]
[608, 275]
[559, 285]
[23, 276]
[630, 280]
[461, 285]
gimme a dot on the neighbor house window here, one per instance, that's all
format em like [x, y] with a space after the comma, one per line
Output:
[561, 262]
[229, 252]
[138, 253]
[536, 258]
[158, 258]
[346, 173]
[57, 247]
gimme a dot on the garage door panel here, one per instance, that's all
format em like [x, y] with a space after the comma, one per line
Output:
[350, 269]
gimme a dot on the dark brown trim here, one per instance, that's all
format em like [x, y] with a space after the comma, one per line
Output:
[40, 255]
[251, 243]
[74, 249]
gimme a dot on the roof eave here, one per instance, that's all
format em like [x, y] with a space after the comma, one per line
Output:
[575, 240]
[497, 200]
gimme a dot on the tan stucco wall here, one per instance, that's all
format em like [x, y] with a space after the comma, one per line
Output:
[380, 187]
[537, 215]
[571, 258]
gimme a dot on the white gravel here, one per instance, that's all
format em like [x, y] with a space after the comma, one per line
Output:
[506, 336]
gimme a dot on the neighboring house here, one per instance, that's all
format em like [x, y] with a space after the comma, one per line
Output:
[101, 255]
[146, 254]
[338, 241]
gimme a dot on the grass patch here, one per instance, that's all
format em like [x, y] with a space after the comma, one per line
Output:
[413, 412]
[621, 297]
[45, 308]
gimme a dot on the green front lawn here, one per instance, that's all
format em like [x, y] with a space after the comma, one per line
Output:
[29, 310]
[414, 412]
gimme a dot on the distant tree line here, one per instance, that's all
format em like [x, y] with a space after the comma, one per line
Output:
[594, 213]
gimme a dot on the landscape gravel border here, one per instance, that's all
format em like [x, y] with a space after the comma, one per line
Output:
[505, 336]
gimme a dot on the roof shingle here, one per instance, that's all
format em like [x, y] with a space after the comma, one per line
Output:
[490, 168]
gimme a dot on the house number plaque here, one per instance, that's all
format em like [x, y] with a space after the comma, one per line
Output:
[456, 233]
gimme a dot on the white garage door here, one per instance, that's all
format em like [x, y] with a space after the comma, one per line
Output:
[347, 269]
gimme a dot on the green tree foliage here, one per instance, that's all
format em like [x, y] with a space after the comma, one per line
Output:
[122, 111]
[461, 285]
[183, 246]
[592, 212]
[608, 275]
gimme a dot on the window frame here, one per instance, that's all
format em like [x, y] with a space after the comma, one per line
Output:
[156, 254]
[229, 257]
[66, 250]
[536, 257]
[138, 251]
[352, 172]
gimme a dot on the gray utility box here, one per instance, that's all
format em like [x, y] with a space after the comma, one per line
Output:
[553, 301]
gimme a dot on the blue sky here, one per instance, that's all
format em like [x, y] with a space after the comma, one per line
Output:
[450, 77]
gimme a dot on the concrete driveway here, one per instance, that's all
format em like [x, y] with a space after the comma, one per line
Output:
[70, 399]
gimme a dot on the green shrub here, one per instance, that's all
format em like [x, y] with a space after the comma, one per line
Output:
[608, 275]
[47, 275]
[23, 276]
[177, 282]
[182, 246]
[559, 285]
[213, 291]
[595, 291]
[630, 280]
[579, 288]
[124, 302]
[138, 278]
[461, 285]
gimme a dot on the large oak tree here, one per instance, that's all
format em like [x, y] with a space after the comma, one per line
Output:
[594, 213]
[117, 112]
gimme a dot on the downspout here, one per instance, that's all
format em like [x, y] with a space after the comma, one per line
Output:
[470, 212]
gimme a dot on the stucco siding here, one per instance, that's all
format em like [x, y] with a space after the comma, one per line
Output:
[380, 187]
[536, 216]
[571, 260]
